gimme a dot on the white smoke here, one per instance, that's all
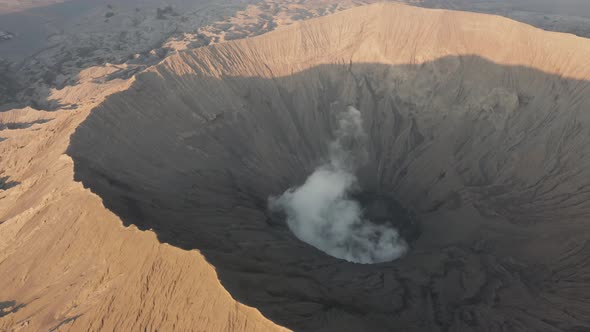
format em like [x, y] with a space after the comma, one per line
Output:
[322, 213]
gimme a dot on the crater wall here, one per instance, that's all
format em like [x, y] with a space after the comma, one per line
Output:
[476, 123]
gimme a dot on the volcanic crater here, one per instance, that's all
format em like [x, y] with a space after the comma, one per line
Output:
[480, 137]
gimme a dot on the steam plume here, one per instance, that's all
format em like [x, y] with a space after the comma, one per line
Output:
[321, 211]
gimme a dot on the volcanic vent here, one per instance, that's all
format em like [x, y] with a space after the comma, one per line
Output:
[474, 123]
[327, 210]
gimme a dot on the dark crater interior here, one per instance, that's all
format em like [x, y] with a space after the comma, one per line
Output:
[382, 209]
[487, 172]
[379, 208]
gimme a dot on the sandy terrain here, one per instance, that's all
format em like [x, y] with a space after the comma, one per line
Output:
[49, 45]
[11, 6]
[571, 16]
[51, 41]
[138, 203]
[66, 221]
